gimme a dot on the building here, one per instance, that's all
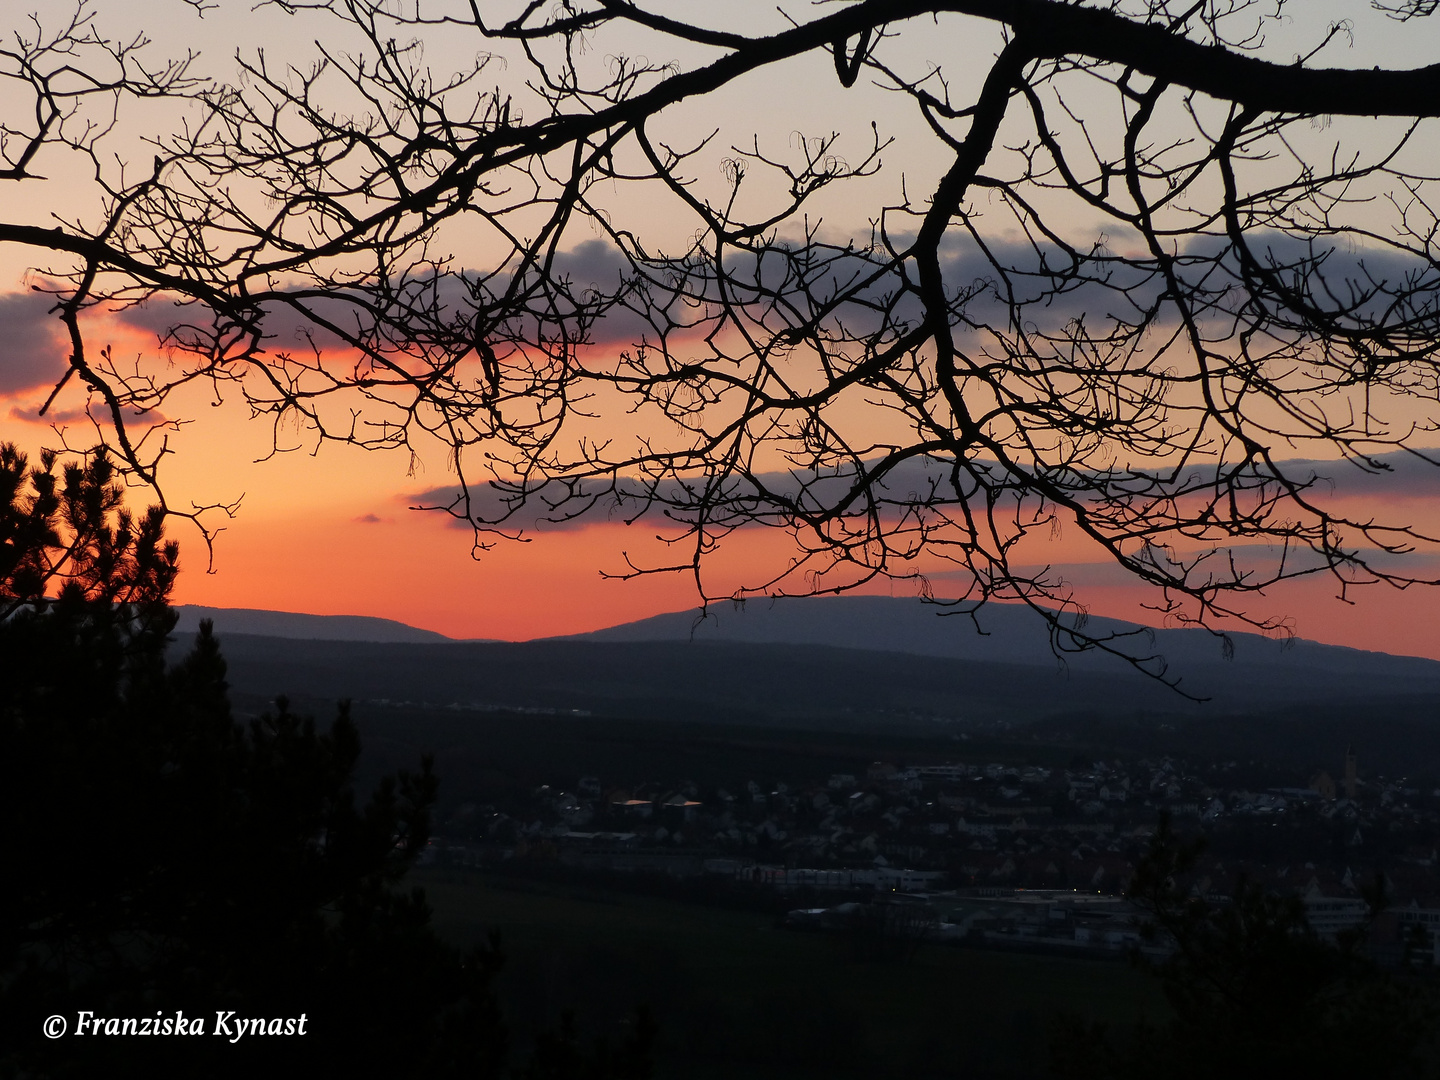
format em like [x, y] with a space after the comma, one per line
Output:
[1324, 784]
[1330, 916]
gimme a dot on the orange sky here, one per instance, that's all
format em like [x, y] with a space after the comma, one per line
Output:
[411, 567]
[330, 534]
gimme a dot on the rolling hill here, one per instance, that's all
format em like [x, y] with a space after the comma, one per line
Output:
[293, 625]
[890, 668]
[860, 660]
[1010, 634]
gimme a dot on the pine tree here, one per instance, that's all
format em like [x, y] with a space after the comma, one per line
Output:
[166, 857]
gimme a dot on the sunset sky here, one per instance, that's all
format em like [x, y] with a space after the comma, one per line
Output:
[332, 532]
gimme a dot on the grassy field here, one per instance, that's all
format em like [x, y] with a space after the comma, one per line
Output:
[734, 996]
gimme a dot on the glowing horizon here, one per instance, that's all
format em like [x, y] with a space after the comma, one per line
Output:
[331, 534]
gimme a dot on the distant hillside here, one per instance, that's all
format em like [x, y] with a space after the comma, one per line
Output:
[1014, 634]
[715, 681]
[857, 665]
[808, 685]
[287, 624]
[861, 656]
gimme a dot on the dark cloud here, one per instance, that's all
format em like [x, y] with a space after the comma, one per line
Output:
[449, 307]
[595, 273]
[30, 414]
[541, 512]
[1257, 559]
[1396, 475]
[598, 266]
[32, 345]
[159, 316]
[594, 264]
[371, 519]
[557, 508]
[1049, 287]
[284, 328]
[1043, 279]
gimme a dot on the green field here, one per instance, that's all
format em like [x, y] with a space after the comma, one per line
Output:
[735, 996]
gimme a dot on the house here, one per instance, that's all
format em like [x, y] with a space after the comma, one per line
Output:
[1424, 923]
[1332, 915]
[678, 806]
[641, 808]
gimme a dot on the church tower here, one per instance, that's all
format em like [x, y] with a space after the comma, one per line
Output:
[1350, 773]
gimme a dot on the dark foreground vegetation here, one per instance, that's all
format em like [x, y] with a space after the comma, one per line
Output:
[735, 995]
[168, 859]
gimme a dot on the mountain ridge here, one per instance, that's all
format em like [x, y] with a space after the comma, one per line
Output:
[1008, 634]
[1015, 634]
[295, 625]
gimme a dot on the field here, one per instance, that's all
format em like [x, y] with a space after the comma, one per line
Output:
[736, 996]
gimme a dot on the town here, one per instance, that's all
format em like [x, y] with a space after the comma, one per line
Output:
[998, 855]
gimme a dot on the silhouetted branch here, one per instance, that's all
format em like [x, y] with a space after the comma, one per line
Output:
[1149, 277]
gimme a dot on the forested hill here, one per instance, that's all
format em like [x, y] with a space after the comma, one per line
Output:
[1015, 634]
[810, 685]
[905, 676]
[290, 624]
